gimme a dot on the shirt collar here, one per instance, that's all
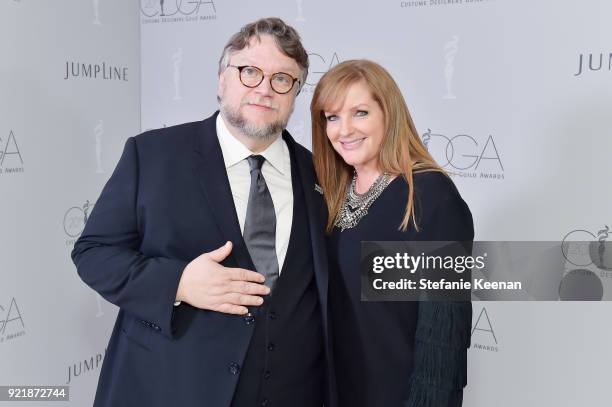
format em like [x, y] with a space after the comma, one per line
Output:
[234, 151]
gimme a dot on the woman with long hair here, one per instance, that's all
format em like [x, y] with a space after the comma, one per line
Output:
[381, 184]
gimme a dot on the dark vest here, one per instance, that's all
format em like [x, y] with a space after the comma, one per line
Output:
[285, 362]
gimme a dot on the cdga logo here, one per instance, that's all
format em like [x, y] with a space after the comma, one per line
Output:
[10, 156]
[75, 219]
[483, 334]
[169, 8]
[465, 156]
[11, 324]
[319, 64]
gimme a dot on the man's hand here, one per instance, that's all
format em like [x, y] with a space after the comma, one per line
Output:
[208, 285]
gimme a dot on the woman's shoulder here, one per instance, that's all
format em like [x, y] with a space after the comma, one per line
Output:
[428, 186]
[434, 184]
[440, 207]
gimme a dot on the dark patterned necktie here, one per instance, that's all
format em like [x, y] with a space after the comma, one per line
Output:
[260, 224]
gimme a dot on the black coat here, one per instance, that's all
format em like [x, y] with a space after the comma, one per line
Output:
[409, 354]
[167, 202]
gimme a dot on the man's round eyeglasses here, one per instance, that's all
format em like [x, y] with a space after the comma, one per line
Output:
[252, 76]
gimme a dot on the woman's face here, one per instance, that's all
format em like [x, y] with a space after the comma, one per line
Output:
[356, 129]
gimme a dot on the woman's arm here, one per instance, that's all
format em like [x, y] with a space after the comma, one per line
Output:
[444, 327]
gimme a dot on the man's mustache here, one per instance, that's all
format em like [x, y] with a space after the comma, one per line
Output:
[264, 103]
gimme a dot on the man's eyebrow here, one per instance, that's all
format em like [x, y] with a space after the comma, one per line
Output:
[249, 61]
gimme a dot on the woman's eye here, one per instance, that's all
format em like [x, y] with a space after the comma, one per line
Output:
[331, 117]
[361, 113]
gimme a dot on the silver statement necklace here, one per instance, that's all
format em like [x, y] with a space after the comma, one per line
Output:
[356, 205]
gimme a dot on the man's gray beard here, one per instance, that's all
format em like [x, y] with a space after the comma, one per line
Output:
[265, 132]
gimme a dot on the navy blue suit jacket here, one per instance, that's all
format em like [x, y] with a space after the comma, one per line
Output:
[167, 202]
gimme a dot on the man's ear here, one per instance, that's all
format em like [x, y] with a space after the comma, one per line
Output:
[221, 85]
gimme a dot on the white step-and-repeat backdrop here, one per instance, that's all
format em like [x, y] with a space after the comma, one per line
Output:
[514, 97]
[69, 97]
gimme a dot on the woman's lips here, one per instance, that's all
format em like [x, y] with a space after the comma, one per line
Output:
[352, 145]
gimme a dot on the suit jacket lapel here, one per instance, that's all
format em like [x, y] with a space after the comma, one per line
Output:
[316, 221]
[212, 176]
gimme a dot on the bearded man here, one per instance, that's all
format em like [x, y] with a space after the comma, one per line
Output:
[209, 238]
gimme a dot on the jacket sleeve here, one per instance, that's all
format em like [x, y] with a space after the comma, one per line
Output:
[444, 327]
[107, 253]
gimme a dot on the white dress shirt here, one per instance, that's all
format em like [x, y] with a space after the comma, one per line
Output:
[276, 170]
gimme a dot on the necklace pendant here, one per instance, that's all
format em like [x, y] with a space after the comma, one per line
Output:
[355, 205]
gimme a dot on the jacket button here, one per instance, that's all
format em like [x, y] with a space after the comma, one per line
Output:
[270, 346]
[267, 374]
[249, 319]
[265, 402]
[273, 315]
[234, 368]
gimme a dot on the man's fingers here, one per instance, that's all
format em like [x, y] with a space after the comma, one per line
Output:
[232, 309]
[242, 299]
[221, 253]
[245, 287]
[245, 275]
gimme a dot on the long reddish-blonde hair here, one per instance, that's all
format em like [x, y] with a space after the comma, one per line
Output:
[402, 152]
